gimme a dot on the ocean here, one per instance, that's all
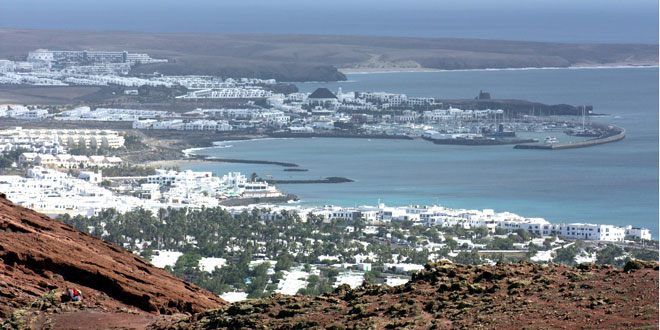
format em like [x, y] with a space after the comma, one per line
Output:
[603, 21]
[615, 183]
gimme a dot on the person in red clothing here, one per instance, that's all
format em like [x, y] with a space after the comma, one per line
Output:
[72, 294]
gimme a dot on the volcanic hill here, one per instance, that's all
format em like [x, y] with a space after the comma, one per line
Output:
[41, 257]
[452, 296]
[39, 254]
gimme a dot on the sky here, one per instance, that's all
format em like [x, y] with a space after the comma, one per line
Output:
[606, 21]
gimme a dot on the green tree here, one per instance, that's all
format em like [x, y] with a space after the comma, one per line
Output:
[333, 273]
[468, 258]
[451, 243]
[258, 281]
[480, 232]
[187, 265]
[147, 254]
[284, 262]
[566, 255]
[500, 231]
[524, 235]
[643, 254]
[359, 225]
[5, 162]
[610, 255]
[372, 276]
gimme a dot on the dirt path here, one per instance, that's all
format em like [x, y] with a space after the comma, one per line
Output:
[91, 319]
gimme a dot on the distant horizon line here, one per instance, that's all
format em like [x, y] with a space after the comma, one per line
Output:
[8, 28]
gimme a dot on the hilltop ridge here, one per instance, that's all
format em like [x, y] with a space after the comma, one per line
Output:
[453, 296]
[318, 57]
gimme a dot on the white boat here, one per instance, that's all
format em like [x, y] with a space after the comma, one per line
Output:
[551, 140]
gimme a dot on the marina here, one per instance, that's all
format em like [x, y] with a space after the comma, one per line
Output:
[499, 177]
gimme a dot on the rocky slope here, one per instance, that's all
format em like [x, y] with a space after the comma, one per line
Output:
[40, 257]
[39, 254]
[506, 296]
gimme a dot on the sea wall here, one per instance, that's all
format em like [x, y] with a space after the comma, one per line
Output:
[332, 179]
[244, 161]
[339, 135]
[479, 142]
[258, 200]
[616, 134]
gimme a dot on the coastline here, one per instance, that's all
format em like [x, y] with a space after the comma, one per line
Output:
[212, 160]
[413, 70]
[178, 162]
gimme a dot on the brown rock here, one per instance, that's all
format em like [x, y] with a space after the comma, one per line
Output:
[38, 253]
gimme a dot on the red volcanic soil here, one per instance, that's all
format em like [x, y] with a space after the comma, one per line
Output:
[505, 296]
[94, 319]
[39, 254]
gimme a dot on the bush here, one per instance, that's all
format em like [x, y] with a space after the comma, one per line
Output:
[5, 162]
[468, 258]
[610, 256]
[284, 262]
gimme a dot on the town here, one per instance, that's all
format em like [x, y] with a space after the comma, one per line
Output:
[165, 216]
[237, 234]
[278, 109]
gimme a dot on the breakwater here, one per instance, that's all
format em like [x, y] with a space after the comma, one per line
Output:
[339, 135]
[479, 141]
[245, 161]
[614, 134]
[259, 200]
[332, 179]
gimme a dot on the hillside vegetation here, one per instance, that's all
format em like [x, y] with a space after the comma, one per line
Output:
[505, 296]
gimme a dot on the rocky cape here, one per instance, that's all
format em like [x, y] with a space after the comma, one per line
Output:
[40, 256]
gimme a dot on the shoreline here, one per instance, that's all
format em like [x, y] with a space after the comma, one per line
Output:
[331, 179]
[206, 160]
[178, 162]
[414, 70]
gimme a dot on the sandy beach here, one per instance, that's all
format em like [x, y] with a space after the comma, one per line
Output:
[394, 69]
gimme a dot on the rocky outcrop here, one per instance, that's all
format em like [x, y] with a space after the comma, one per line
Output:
[40, 255]
[450, 296]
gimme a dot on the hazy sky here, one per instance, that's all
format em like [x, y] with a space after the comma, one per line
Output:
[559, 20]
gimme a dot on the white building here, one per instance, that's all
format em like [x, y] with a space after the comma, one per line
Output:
[641, 233]
[92, 177]
[65, 137]
[6, 66]
[68, 161]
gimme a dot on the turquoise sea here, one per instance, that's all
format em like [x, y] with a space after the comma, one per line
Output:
[614, 183]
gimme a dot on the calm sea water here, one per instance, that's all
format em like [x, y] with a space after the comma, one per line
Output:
[614, 183]
[603, 21]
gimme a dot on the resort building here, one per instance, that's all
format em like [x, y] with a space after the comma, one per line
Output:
[322, 97]
[68, 161]
[65, 137]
